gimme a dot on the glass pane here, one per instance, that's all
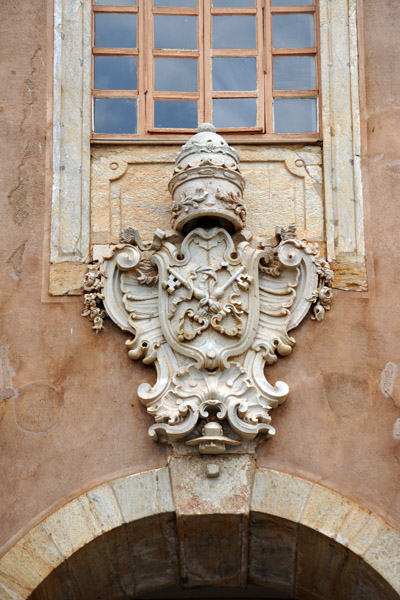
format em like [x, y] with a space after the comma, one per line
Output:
[117, 2]
[292, 2]
[235, 112]
[185, 3]
[176, 114]
[295, 115]
[294, 72]
[115, 115]
[293, 31]
[234, 31]
[175, 74]
[172, 31]
[115, 30]
[115, 72]
[233, 3]
[234, 74]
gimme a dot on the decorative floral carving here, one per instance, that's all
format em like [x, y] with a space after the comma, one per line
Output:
[188, 201]
[129, 235]
[234, 202]
[322, 296]
[288, 233]
[93, 298]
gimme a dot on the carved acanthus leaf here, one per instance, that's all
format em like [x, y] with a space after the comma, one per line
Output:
[225, 394]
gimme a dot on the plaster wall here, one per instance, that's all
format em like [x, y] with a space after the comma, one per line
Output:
[66, 422]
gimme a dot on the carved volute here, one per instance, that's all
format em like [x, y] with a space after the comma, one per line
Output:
[209, 307]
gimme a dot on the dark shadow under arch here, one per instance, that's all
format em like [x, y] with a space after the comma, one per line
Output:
[142, 559]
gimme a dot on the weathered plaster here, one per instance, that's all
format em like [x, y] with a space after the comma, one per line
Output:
[38, 407]
[387, 382]
[15, 260]
[6, 375]
[21, 198]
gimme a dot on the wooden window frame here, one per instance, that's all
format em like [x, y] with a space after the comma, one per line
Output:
[258, 52]
[151, 53]
[265, 52]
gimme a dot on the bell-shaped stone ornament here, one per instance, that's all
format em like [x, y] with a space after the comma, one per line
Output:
[213, 440]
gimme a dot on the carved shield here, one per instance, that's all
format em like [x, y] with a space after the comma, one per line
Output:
[208, 296]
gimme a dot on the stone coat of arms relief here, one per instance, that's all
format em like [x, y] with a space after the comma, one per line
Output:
[208, 306]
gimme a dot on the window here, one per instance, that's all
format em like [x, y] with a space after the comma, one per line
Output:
[79, 185]
[163, 66]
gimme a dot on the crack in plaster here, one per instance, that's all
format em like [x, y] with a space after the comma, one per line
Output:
[19, 194]
[15, 259]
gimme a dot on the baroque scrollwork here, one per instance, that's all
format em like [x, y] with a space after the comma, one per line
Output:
[208, 307]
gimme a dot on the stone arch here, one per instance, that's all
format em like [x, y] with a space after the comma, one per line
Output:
[297, 538]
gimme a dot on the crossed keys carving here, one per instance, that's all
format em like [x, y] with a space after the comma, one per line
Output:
[202, 285]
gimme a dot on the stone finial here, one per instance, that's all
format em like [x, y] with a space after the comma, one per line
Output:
[206, 127]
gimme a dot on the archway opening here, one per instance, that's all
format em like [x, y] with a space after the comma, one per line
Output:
[144, 560]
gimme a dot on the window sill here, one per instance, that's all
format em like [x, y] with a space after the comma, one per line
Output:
[182, 140]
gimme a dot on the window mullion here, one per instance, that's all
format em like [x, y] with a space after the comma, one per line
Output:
[205, 6]
[148, 46]
[317, 63]
[142, 68]
[268, 78]
[260, 64]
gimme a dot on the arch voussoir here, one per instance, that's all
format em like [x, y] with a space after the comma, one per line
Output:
[293, 533]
